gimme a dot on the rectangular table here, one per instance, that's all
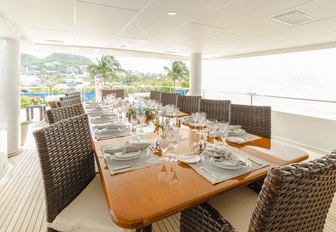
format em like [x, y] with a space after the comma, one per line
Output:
[139, 198]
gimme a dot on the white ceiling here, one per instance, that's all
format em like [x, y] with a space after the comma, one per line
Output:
[216, 28]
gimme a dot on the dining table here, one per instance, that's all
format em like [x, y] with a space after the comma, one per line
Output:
[138, 198]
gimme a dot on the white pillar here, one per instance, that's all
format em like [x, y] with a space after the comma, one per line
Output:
[10, 91]
[195, 74]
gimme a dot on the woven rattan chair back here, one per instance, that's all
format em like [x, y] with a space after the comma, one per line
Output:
[71, 97]
[155, 95]
[293, 198]
[215, 109]
[70, 102]
[169, 98]
[61, 113]
[119, 93]
[66, 156]
[188, 104]
[253, 119]
[298, 197]
[73, 94]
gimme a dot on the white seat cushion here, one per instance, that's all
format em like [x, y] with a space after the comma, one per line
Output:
[87, 213]
[236, 207]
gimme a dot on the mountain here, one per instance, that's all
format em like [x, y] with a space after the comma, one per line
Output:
[68, 59]
[27, 59]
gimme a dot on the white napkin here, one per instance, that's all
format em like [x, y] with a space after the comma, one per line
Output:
[109, 126]
[128, 147]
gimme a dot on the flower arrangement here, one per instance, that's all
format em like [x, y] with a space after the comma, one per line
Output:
[134, 110]
[36, 99]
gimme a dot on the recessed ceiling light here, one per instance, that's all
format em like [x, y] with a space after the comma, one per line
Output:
[123, 46]
[144, 32]
[171, 13]
[293, 17]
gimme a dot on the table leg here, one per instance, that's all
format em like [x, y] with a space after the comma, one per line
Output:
[145, 229]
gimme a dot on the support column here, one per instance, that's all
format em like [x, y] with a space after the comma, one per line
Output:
[10, 91]
[195, 74]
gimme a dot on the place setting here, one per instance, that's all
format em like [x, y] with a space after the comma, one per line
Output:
[103, 118]
[110, 130]
[217, 164]
[239, 136]
[129, 156]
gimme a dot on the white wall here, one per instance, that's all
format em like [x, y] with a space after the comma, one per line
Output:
[309, 131]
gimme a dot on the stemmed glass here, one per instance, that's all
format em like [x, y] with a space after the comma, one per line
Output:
[134, 122]
[164, 144]
[141, 116]
[212, 128]
[223, 132]
[174, 137]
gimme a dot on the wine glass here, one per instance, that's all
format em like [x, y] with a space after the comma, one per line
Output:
[142, 118]
[164, 144]
[134, 122]
[223, 132]
[212, 128]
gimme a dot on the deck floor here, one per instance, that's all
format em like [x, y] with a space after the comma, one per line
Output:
[22, 206]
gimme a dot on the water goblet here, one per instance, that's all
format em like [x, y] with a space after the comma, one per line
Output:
[223, 132]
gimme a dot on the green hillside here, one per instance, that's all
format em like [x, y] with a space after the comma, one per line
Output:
[27, 59]
[69, 59]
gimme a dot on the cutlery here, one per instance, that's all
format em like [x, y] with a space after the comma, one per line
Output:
[122, 167]
[206, 170]
[254, 161]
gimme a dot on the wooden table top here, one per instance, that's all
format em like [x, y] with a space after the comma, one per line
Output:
[139, 198]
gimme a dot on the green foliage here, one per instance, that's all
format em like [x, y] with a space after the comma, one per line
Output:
[26, 122]
[177, 71]
[25, 101]
[107, 67]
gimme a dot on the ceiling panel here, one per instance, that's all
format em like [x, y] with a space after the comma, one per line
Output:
[155, 20]
[40, 14]
[101, 21]
[243, 31]
[187, 32]
[40, 36]
[301, 31]
[319, 9]
[241, 11]
[127, 4]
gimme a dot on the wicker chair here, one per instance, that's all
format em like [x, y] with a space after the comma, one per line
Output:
[119, 93]
[73, 94]
[71, 97]
[216, 109]
[70, 102]
[61, 113]
[293, 198]
[253, 119]
[67, 162]
[156, 95]
[169, 98]
[188, 104]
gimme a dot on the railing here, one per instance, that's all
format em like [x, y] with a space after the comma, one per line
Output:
[306, 106]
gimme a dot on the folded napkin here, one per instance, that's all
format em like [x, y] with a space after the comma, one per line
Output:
[237, 132]
[214, 152]
[128, 147]
[109, 126]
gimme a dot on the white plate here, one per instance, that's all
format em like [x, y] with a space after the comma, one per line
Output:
[190, 159]
[127, 156]
[235, 139]
[227, 164]
[236, 132]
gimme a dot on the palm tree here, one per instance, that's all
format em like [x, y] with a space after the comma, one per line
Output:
[178, 70]
[107, 67]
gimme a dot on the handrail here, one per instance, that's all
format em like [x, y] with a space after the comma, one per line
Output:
[124, 87]
[251, 94]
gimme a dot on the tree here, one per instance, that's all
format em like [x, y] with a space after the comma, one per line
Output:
[178, 71]
[106, 68]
